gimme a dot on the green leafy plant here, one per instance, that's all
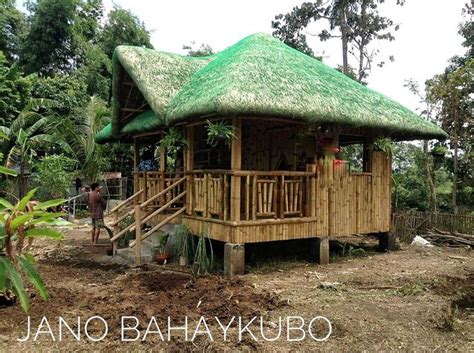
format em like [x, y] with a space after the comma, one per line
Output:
[53, 176]
[204, 257]
[18, 223]
[185, 245]
[219, 131]
[173, 142]
[384, 144]
[162, 241]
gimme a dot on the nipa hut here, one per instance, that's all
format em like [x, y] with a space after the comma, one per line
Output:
[276, 173]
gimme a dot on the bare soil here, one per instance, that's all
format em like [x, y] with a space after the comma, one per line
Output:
[414, 299]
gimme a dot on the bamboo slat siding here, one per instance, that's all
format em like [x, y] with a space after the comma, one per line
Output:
[280, 205]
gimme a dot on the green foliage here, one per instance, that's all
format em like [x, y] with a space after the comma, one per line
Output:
[185, 244]
[173, 142]
[123, 28]
[354, 155]
[204, 255]
[12, 25]
[80, 134]
[358, 23]
[219, 131]
[68, 92]
[409, 189]
[96, 72]
[14, 90]
[162, 241]
[17, 224]
[384, 144]
[49, 47]
[53, 176]
[24, 137]
[202, 50]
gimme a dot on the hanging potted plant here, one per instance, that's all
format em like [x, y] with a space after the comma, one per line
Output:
[219, 131]
[384, 144]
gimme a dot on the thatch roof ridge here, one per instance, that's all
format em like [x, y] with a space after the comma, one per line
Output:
[260, 75]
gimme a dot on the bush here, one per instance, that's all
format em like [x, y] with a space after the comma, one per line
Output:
[53, 176]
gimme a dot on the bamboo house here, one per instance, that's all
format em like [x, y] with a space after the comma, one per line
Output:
[277, 174]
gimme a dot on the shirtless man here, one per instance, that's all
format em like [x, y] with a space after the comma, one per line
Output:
[96, 207]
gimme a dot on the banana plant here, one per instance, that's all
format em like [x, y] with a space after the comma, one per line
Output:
[18, 223]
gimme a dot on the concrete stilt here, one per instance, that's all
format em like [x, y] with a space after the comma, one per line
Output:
[387, 241]
[320, 250]
[234, 259]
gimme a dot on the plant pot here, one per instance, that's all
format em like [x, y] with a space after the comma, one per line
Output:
[183, 261]
[162, 258]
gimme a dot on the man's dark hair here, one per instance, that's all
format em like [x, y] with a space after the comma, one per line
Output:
[94, 186]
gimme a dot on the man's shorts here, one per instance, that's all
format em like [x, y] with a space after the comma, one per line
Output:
[98, 223]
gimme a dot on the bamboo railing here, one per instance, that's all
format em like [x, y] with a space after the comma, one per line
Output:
[335, 200]
[168, 201]
[263, 195]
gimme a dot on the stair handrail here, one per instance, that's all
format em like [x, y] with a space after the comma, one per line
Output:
[162, 192]
[125, 202]
[143, 205]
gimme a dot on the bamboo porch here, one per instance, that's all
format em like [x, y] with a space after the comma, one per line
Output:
[280, 205]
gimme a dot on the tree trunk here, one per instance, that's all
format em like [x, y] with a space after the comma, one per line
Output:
[361, 72]
[344, 32]
[429, 178]
[455, 172]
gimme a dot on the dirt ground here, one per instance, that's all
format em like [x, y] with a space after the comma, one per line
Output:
[416, 299]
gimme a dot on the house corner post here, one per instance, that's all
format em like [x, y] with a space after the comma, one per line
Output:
[236, 164]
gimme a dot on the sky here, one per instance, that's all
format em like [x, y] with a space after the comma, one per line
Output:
[427, 37]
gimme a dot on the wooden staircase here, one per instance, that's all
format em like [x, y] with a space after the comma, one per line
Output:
[167, 202]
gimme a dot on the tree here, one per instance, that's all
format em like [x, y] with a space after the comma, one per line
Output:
[25, 136]
[202, 50]
[49, 47]
[12, 25]
[452, 93]
[68, 92]
[15, 90]
[427, 113]
[357, 21]
[53, 176]
[123, 28]
[91, 159]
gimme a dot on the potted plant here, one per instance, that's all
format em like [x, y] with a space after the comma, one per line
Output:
[161, 254]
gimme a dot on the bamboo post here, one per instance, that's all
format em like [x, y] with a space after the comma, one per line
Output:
[188, 167]
[236, 163]
[115, 230]
[138, 236]
[206, 196]
[254, 198]
[247, 197]
[162, 173]
[136, 176]
[282, 197]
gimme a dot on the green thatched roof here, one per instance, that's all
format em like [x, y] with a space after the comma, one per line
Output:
[259, 76]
